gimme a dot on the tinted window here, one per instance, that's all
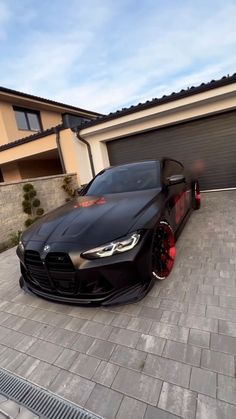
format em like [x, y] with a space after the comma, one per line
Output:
[27, 119]
[21, 120]
[33, 122]
[133, 177]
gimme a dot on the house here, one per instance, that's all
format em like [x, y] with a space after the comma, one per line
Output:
[196, 126]
[34, 136]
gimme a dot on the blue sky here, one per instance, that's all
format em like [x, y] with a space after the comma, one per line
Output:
[107, 54]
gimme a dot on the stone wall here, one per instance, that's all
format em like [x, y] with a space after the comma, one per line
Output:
[12, 217]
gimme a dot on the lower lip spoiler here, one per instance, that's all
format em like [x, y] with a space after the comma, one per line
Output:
[132, 294]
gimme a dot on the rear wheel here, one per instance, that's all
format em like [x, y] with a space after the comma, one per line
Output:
[196, 196]
[163, 251]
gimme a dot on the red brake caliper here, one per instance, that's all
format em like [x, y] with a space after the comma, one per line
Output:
[171, 252]
[169, 246]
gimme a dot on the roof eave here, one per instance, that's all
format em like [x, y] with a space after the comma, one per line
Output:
[204, 87]
[15, 94]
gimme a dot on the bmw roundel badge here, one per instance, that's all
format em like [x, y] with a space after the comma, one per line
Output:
[46, 248]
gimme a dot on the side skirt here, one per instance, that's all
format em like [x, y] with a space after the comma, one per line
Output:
[182, 224]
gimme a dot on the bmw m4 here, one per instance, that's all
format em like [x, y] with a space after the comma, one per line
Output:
[114, 240]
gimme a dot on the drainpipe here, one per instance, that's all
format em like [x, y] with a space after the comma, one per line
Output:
[57, 131]
[89, 151]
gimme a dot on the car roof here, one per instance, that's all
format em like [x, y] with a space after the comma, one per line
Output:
[161, 161]
[132, 164]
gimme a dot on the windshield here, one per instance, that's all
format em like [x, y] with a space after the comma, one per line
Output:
[127, 178]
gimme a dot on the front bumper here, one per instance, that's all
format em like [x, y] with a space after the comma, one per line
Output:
[129, 295]
[63, 276]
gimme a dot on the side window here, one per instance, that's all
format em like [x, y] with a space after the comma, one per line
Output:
[171, 168]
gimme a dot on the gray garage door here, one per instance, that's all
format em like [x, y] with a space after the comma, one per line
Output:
[209, 143]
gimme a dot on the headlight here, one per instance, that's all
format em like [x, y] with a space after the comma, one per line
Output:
[117, 246]
[21, 246]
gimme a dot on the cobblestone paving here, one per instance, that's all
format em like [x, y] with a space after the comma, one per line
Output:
[172, 355]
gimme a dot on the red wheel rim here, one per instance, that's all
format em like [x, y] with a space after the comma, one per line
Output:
[163, 255]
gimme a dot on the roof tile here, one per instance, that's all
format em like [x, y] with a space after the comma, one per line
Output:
[189, 91]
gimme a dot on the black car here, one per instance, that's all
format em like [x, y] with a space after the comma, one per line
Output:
[109, 244]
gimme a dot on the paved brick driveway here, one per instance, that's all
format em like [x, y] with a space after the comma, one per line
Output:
[169, 356]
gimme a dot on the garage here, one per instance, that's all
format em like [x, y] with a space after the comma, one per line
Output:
[210, 140]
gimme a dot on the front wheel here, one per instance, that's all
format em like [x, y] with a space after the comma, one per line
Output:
[196, 196]
[163, 251]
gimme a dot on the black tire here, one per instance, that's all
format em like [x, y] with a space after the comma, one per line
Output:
[163, 251]
[196, 196]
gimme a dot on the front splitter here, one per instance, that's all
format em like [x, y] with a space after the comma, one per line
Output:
[125, 296]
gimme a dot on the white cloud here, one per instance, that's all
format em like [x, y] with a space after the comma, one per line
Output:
[45, 61]
[100, 55]
[178, 57]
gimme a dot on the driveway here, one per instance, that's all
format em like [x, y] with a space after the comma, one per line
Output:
[171, 355]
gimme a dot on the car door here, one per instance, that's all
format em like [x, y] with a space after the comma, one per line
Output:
[177, 195]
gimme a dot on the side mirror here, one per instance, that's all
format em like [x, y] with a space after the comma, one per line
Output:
[80, 189]
[174, 179]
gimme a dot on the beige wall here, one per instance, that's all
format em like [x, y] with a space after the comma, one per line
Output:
[50, 115]
[15, 167]
[85, 171]
[29, 149]
[26, 169]
[3, 131]
[8, 127]
[11, 172]
[50, 119]
[75, 155]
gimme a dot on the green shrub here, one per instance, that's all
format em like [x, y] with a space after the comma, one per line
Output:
[27, 207]
[32, 193]
[26, 197]
[36, 203]
[31, 204]
[27, 187]
[40, 211]
[28, 222]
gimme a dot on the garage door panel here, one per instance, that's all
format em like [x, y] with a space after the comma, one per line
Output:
[212, 140]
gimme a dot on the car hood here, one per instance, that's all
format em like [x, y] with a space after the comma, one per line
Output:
[94, 220]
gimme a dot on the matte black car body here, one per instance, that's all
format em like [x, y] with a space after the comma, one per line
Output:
[51, 252]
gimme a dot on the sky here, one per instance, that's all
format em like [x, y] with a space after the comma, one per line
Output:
[105, 55]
